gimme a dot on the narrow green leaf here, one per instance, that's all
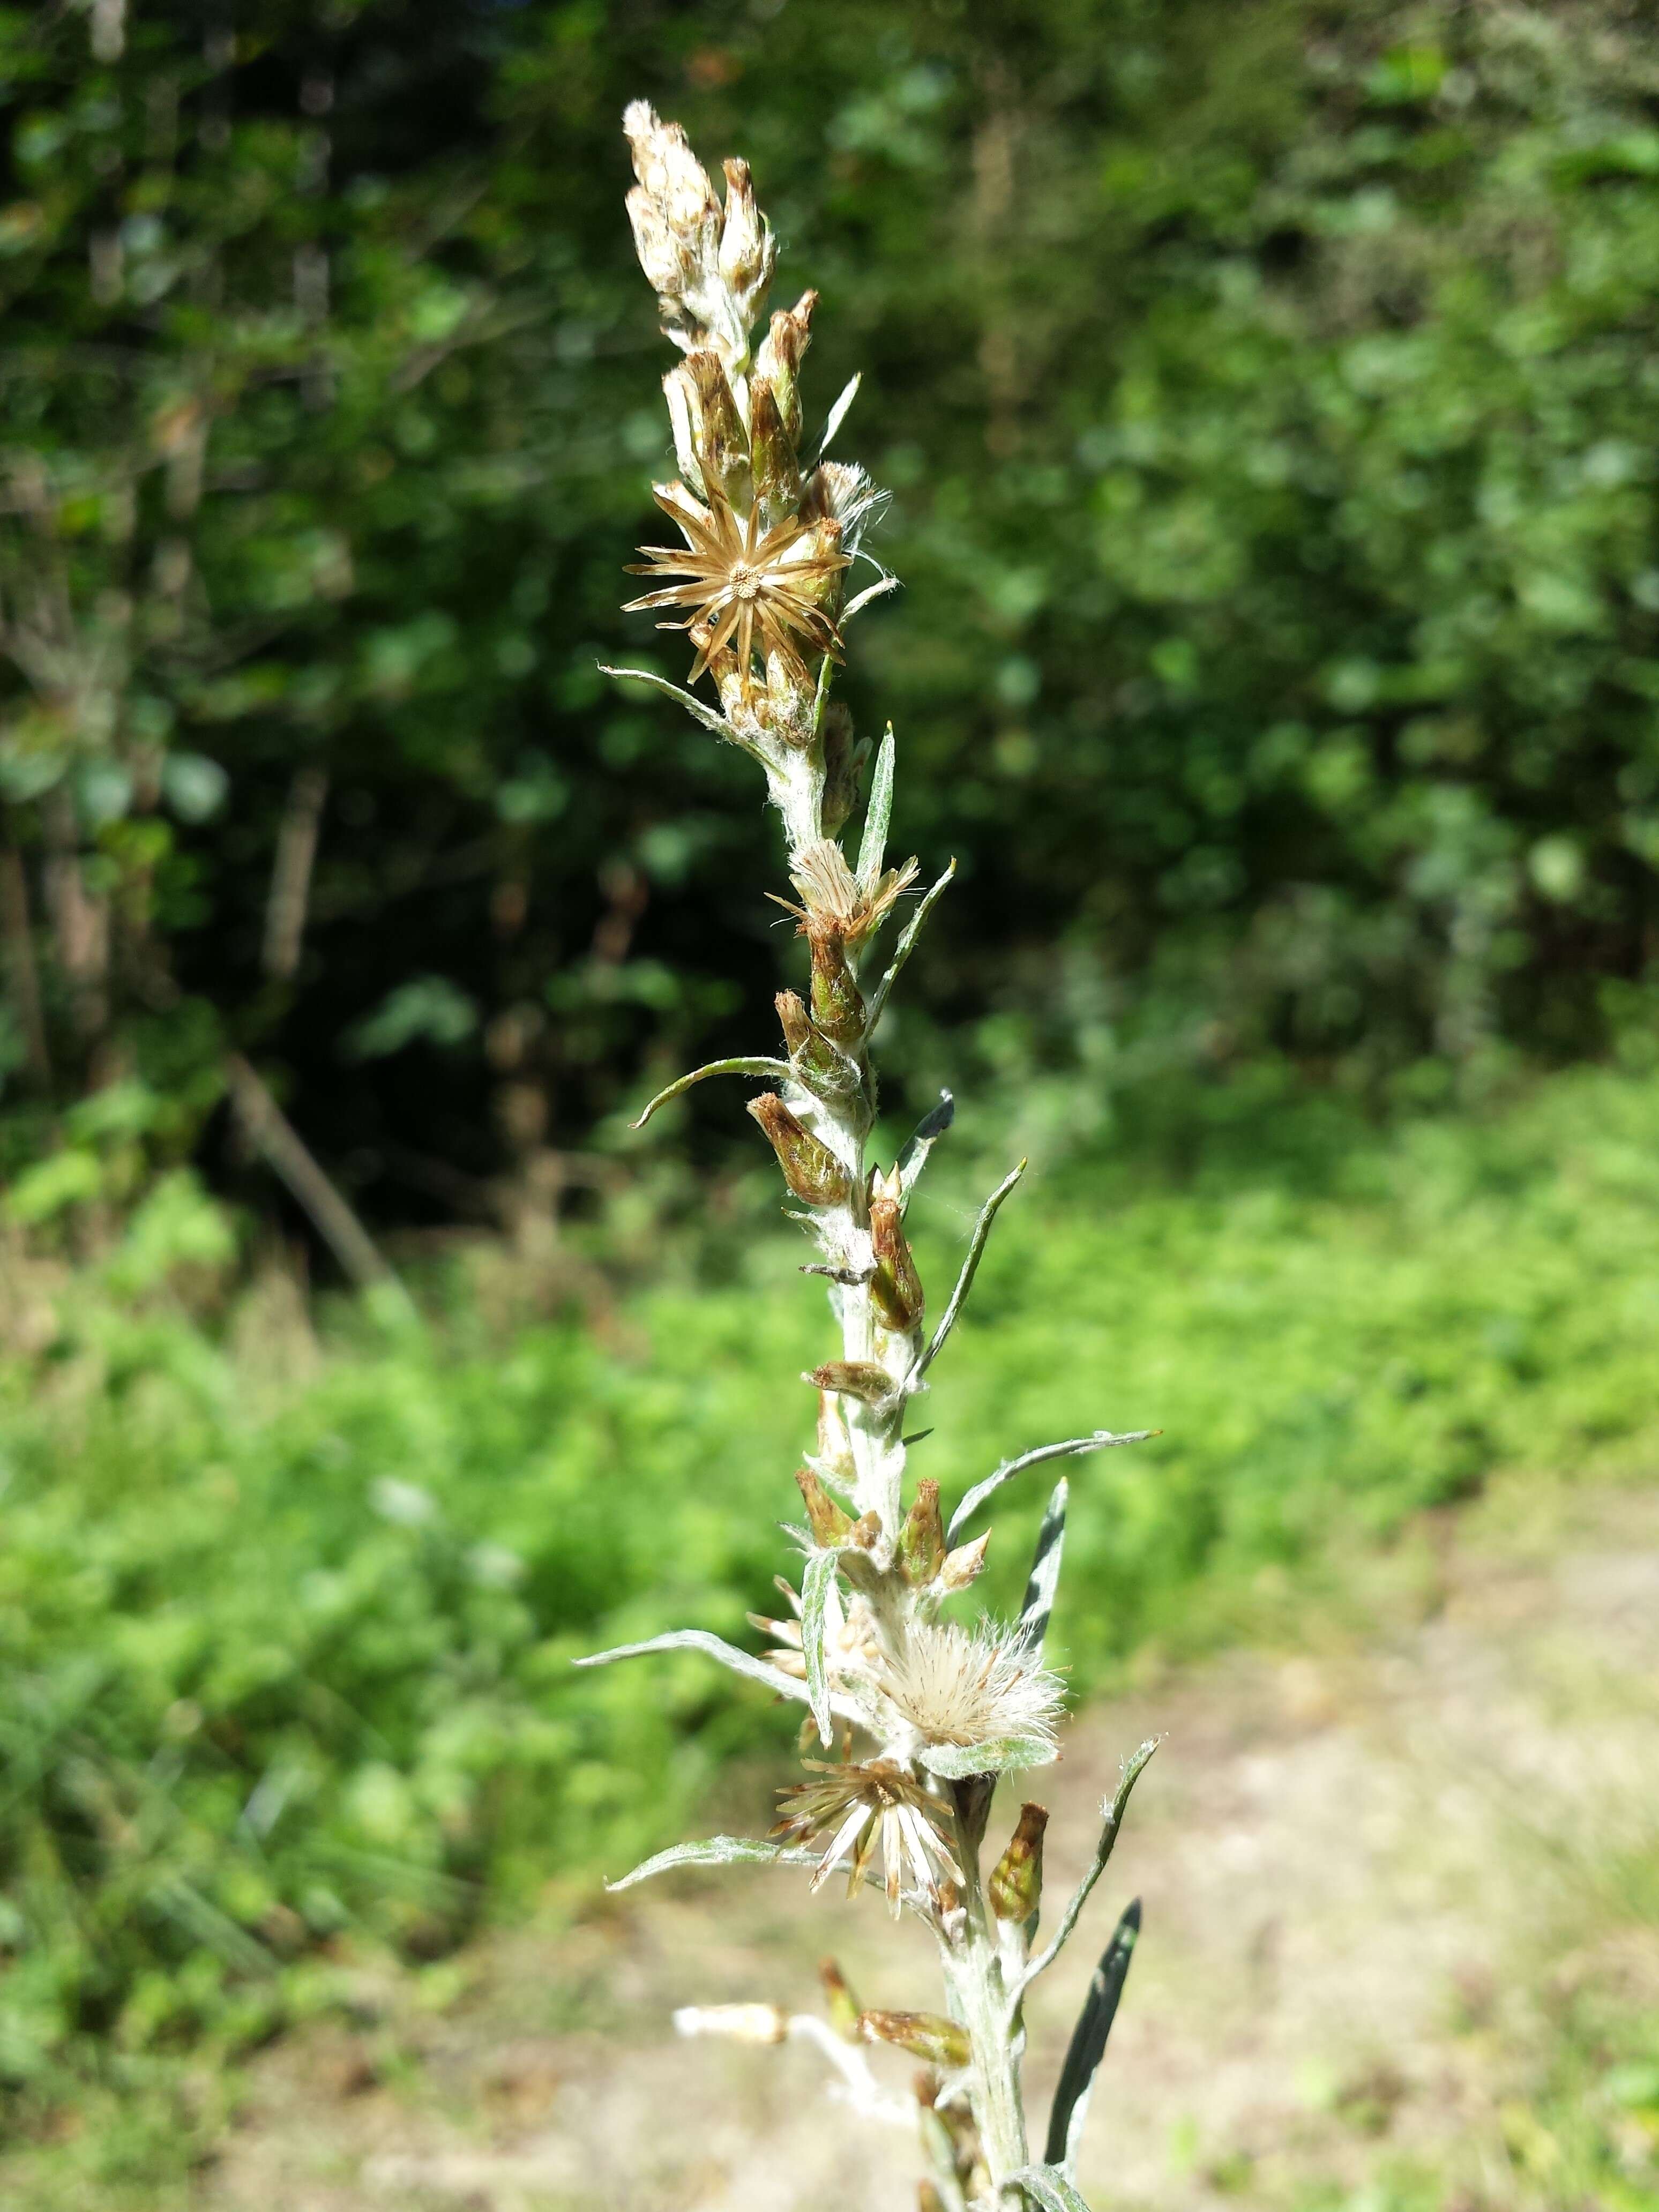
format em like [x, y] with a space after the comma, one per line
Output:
[821, 693]
[873, 845]
[1088, 2044]
[1039, 1599]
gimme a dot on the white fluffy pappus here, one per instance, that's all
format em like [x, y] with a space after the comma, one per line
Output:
[971, 1685]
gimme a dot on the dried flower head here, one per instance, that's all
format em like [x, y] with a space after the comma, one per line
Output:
[832, 900]
[974, 1686]
[860, 1807]
[744, 585]
[710, 267]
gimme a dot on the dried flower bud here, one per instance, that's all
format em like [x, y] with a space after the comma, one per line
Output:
[1015, 1889]
[962, 1565]
[739, 2023]
[835, 1451]
[896, 1286]
[866, 1531]
[674, 215]
[779, 358]
[834, 901]
[710, 267]
[722, 662]
[845, 758]
[685, 421]
[812, 1170]
[842, 2005]
[791, 1019]
[927, 2035]
[854, 1378]
[828, 1522]
[921, 1540]
[837, 1002]
[824, 1068]
[776, 470]
[972, 1795]
[828, 561]
[748, 251]
[722, 443]
[929, 2198]
[659, 249]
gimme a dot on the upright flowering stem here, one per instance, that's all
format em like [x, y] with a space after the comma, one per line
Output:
[916, 1715]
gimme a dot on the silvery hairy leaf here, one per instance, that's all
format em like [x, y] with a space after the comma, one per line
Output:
[693, 707]
[848, 394]
[987, 1215]
[939, 2145]
[1047, 2188]
[776, 1071]
[921, 1140]
[817, 1584]
[1111, 1821]
[1100, 1440]
[952, 1761]
[716, 1850]
[699, 1640]
[873, 845]
[902, 951]
[862, 600]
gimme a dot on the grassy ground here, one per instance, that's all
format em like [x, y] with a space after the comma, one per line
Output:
[1400, 1950]
[285, 1622]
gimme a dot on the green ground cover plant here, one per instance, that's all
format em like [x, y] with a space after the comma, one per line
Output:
[286, 1663]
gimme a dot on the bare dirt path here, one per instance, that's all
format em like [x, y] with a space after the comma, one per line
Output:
[1390, 1872]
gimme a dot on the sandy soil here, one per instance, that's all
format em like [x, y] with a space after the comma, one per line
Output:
[1377, 1863]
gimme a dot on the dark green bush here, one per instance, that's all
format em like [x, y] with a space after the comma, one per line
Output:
[1266, 396]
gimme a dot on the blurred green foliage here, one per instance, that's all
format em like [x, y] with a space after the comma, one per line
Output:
[285, 1633]
[1267, 395]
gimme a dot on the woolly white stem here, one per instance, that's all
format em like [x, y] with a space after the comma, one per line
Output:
[973, 1974]
[858, 2085]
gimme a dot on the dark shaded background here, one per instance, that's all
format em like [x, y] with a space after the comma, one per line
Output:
[1268, 397]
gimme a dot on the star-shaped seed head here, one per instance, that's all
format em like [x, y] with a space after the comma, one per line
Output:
[743, 587]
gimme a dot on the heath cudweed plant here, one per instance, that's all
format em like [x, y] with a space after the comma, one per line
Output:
[913, 1717]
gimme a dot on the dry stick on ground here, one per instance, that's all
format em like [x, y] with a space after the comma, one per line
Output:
[282, 1147]
[22, 974]
[910, 1718]
[290, 873]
